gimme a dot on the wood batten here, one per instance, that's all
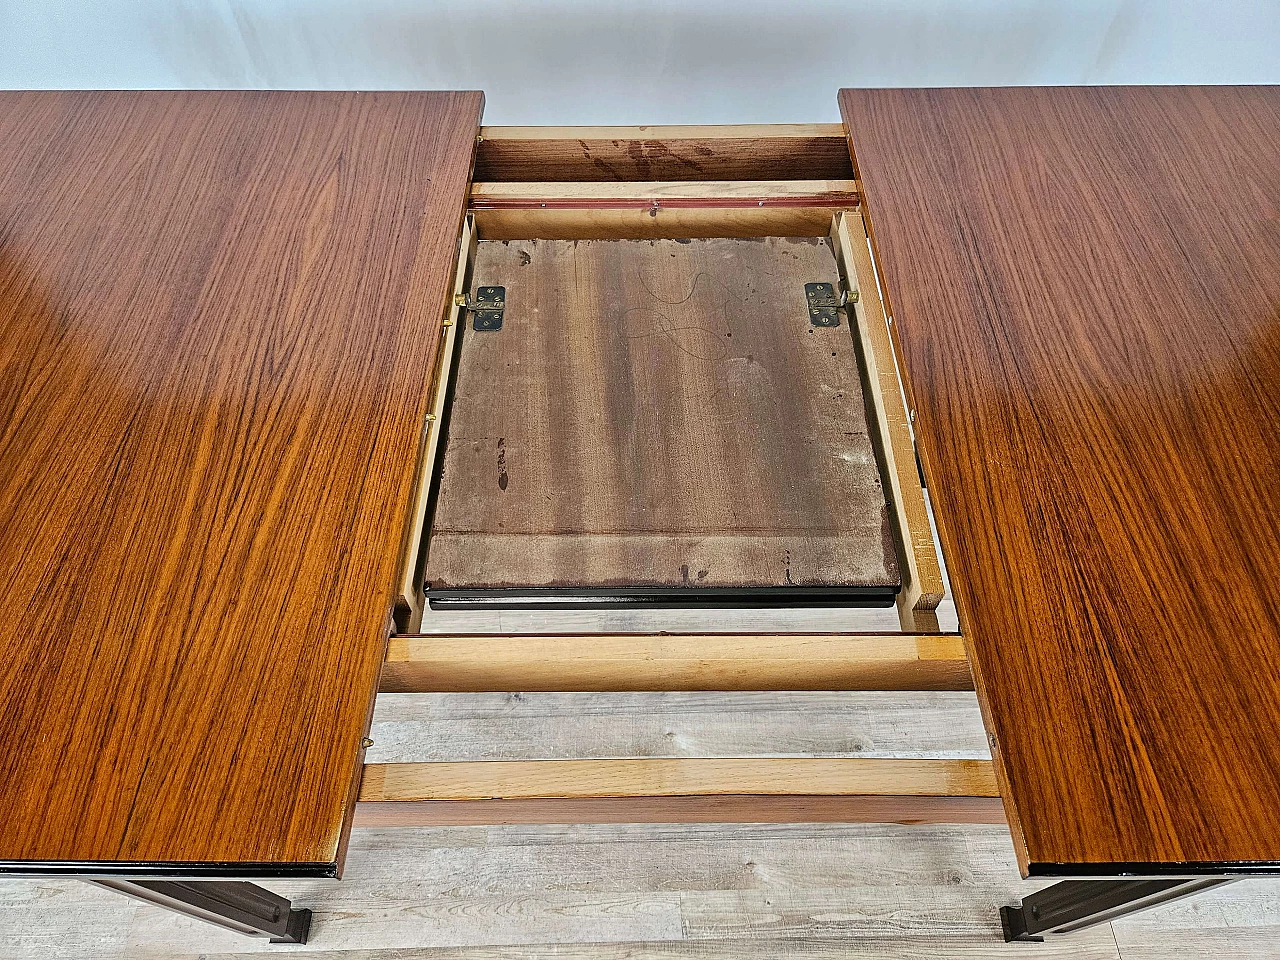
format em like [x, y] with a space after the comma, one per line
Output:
[659, 209]
[922, 583]
[677, 777]
[410, 602]
[802, 151]
[643, 193]
[719, 809]
[679, 790]
[684, 809]
[618, 663]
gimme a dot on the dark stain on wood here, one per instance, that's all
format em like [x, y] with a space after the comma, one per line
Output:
[669, 417]
[727, 158]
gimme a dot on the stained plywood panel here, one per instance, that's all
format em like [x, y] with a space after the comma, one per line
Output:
[218, 320]
[658, 414]
[1086, 285]
[754, 152]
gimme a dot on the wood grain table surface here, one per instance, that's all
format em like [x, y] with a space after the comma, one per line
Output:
[1086, 288]
[218, 318]
[659, 413]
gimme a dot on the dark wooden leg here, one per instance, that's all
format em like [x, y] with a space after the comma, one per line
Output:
[1075, 904]
[234, 904]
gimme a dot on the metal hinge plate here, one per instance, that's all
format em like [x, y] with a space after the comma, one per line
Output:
[824, 304]
[486, 312]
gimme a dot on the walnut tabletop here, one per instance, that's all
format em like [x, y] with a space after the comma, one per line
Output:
[219, 314]
[1085, 284]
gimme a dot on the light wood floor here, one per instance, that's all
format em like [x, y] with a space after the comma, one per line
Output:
[742, 892]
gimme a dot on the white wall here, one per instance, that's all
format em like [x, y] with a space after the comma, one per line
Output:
[635, 61]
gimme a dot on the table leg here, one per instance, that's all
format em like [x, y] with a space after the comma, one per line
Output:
[1075, 904]
[235, 904]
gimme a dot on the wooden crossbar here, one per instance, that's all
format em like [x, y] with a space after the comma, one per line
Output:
[680, 790]
[548, 210]
[592, 662]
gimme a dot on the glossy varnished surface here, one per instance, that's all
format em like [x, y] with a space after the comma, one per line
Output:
[1086, 284]
[218, 315]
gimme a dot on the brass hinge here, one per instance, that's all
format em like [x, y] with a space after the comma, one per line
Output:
[824, 302]
[486, 309]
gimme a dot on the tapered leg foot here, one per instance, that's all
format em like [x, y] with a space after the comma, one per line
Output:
[298, 927]
[1015, 927]
[1076, 904]
[234, 904]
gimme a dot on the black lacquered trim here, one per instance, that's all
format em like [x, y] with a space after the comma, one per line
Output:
[169, 870]
[1200, 868]
[556, 598]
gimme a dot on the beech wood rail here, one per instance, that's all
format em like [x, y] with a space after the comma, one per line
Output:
[724, 790]
[715, 661]
[658, 209]
[677, 790]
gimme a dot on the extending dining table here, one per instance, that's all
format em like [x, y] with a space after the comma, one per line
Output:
[228, 327]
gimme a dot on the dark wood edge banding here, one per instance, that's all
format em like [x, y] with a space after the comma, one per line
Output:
[184, 870]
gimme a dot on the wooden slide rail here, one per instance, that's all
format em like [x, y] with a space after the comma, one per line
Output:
[726, 790]
[410, 598]
[617, 663]
[683, 790]
[922, 583]
[549, 210]
[686, 182]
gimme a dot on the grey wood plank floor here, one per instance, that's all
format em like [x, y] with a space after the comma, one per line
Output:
[660, 891]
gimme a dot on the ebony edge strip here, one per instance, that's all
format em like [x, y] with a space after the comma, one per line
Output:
[553, 598]
[168, 869]
[1199, 868]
